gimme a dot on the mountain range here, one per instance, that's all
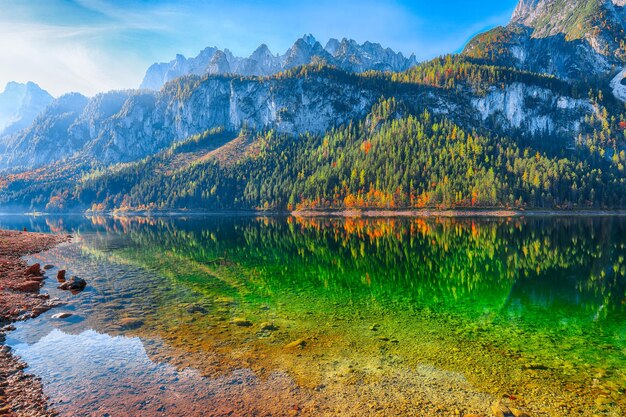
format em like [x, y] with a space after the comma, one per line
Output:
[346, 54]
[537, 104]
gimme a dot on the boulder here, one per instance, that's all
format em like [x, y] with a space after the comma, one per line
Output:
[241, 322]
[196, 308]
[130, 322]
[268, 327]
[295, 344]
[518, 413]
[34, 270]
[74, 284]
[500, 410]
[61, 275]
[28, 286]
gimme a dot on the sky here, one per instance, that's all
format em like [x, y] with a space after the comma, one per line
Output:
[91, 46]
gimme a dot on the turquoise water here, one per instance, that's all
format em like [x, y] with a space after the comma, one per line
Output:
[287, 316]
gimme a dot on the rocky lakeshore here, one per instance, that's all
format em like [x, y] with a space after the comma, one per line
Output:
[21, 394]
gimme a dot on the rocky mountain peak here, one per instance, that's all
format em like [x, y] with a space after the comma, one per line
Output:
[575, 19]
[524, 9]
[218, 64]
[347, 54]
[303, 51]
[15, 87]
[331, 46]
[20, 103]
[262, 50]
[571, 39]
[310, 39]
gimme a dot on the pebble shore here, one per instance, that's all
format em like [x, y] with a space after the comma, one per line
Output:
[21, 394]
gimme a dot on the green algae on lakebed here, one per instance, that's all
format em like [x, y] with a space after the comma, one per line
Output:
[532, 310]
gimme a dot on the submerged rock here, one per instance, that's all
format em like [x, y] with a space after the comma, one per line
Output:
[268, 327]
[534, 366]
[225, 301]
[61, 275]
[74, 284]
[241, 322]
[46, 267]
[295, 344]
[63, 315]
[518, 413]
[130, 322]
[500, 410]
[34, 270]
[196, 308]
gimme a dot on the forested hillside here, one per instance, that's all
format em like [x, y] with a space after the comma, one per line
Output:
[391, 159]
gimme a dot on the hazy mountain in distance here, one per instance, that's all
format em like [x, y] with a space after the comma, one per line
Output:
[20, 104]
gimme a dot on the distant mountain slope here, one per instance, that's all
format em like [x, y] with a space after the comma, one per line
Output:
[571, 39]
[20, 104]
[345, 54]
[47, 138]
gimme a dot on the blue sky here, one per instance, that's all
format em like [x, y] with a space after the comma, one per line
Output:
[97, 45]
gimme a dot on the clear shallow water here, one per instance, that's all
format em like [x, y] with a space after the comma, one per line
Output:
[396, 316]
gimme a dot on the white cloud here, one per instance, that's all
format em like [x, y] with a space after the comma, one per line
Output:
[61, 59]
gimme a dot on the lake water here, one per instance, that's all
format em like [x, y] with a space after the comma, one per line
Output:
[228, 315]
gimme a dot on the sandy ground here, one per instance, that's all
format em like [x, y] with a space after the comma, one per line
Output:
[21, 394]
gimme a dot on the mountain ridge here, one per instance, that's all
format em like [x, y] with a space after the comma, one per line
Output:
[346, 54]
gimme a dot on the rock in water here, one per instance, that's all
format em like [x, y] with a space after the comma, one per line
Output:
[295, 344]
[131, 322]
[268, 327]
[242, 322]
[61, 315]
[518, 413]
[46, 267]
[74, 284]
[61, 275]
[500, 410]
[195, 308]
[34, 270]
